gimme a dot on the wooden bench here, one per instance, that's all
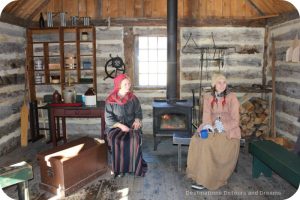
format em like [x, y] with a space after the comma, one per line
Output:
[181, 138]
[269, 156]
[18, 173]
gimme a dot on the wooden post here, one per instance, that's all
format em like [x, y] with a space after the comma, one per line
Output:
[273, 130]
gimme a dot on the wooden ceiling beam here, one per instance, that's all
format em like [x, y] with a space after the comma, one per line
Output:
[253, 5]
[264, 16]
[210, 21]
[283, 18]
[11, 19]
[38, 10]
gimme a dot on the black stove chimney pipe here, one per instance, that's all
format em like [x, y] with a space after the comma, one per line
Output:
[172, 10]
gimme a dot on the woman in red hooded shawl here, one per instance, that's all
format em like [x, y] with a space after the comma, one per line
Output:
[123, 117]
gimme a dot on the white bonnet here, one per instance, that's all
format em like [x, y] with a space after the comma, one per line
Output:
[215, 77]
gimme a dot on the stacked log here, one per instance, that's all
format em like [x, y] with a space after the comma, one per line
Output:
[255, 117]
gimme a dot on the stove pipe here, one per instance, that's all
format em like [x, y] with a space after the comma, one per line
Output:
[172, 10]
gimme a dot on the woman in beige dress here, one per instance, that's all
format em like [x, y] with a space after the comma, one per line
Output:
[211, 161]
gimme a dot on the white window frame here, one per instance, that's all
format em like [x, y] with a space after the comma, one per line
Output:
[136, 64]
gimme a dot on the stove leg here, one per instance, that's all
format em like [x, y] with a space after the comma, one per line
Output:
[155, 144]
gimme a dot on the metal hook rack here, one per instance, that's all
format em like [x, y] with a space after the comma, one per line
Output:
[218, 52]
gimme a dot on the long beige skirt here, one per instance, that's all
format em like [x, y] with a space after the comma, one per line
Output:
[211, 161]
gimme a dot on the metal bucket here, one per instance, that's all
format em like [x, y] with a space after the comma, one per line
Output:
[62, 19]
[86, 21]
[69, 94]
[74, 20]
[49, 19]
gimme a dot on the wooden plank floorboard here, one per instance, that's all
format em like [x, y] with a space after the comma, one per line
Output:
[162, 181]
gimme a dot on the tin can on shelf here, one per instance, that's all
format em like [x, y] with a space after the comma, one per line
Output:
[38, 64]
[39, 78]
[84, 36]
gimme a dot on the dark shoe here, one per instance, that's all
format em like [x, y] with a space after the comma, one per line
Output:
[198, 187]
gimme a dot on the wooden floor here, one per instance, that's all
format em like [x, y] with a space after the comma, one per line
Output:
[162, 180]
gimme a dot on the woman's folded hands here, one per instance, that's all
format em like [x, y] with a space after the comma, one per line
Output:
[123, 127]
[137, 124]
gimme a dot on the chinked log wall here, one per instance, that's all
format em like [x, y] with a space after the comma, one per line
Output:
[243, 67]
[107, 42]
[239, 66]
[12, 62]
[110, 41]
[243, 63]
[287, 118]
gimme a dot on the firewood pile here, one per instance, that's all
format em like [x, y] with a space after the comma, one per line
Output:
[254, 117]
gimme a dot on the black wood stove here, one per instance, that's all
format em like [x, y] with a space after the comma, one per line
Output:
[171, 117]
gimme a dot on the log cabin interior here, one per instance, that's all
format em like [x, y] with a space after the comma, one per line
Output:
[169, 49]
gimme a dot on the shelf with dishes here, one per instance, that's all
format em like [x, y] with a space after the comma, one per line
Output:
[50, 56]
[54, 66]
[74, 42]
[70, 61]
[60, 56]
[53, 71]
[47, 42]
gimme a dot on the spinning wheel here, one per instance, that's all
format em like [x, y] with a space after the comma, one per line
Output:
[114, 67]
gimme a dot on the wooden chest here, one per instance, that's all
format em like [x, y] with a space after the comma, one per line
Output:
[66, 168]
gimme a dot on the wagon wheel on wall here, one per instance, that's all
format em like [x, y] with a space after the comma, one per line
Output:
[114, 67]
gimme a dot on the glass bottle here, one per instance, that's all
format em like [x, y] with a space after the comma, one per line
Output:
[56, 97]
[90, 92]
[41, 21]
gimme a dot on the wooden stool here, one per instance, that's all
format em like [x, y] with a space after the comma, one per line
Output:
[18, 173]
[180, 138]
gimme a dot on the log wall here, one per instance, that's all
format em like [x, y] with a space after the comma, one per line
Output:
[108, 42]
[287, 81]
[242, 64]
[243, 61]
[12, 65]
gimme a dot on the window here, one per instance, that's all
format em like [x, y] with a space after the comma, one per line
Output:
[151, 61]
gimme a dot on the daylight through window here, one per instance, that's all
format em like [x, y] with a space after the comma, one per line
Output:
[152, 61]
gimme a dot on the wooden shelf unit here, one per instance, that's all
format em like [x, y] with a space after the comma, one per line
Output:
[53, 47]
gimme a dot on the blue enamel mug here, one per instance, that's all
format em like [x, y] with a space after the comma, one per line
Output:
[204, 134]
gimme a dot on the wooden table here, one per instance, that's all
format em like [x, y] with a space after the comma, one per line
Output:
[61, 111]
